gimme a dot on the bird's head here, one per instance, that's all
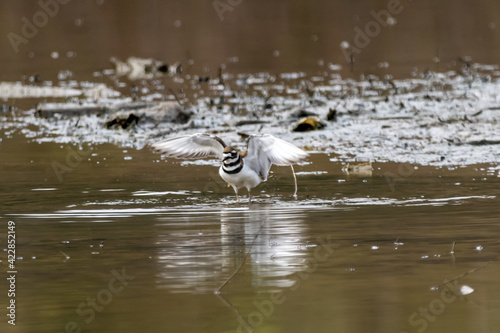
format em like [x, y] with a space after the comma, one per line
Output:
[229, 155]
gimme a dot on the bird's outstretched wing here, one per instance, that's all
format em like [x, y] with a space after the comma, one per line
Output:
[265, 150]
[197, 145]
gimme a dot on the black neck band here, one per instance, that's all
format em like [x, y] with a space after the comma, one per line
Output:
[232, 172]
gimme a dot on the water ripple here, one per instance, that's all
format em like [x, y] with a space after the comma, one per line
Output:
[278, 207]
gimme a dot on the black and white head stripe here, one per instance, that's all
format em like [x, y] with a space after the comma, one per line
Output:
[232, 162]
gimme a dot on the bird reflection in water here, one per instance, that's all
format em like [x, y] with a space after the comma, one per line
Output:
[231, 248]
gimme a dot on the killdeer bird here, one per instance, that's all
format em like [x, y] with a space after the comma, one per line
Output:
[247, 168]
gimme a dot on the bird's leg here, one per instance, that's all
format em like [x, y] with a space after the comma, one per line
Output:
[249, 196]
[236, 192]
[295, 179]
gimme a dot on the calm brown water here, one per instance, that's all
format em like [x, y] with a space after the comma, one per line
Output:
[352, 254]
[271, 36]
[114, 239]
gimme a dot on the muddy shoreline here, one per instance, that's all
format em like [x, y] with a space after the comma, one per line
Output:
[430, 119]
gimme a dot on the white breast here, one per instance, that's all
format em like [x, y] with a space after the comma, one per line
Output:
[245, 178]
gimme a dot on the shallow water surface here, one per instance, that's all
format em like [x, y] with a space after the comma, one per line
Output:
[151, 241]
[113, 238]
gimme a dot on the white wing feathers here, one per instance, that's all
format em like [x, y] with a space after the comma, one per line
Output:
[265, 150]
[197, 145]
